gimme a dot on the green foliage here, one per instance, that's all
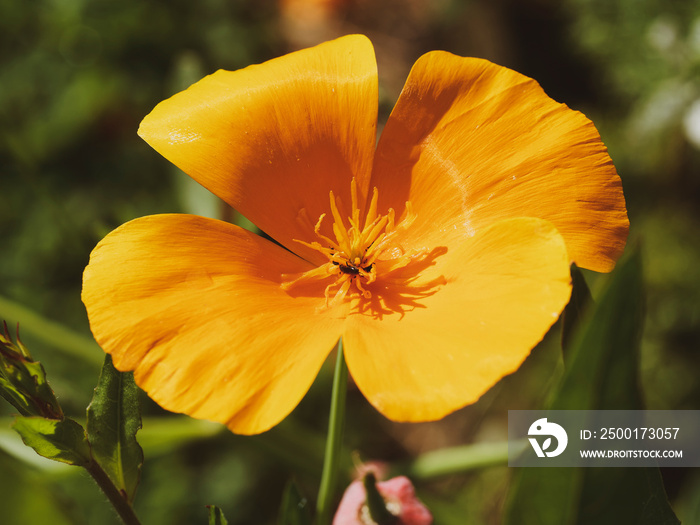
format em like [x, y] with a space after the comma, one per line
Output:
[216, 516]
[111, 454]
[77, 78]
[295, 507]
[23, 381]
[62, 440]
[113, 418]
[602, 375]
[574, 310]
[604, 365]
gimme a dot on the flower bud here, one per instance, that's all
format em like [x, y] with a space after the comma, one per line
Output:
[23, 381]
[391, 502]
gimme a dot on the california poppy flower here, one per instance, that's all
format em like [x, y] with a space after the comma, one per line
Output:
[440, 255]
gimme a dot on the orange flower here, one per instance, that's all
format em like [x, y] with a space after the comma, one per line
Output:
[441, 258]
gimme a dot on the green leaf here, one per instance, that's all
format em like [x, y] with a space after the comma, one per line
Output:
[604, 356]
[603, 363]
[58, 439]
[295, 507]
[575, 309]
[113, 418]
[216, 516]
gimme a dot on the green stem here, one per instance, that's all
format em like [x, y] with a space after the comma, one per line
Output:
[326, 492]
[120, 504]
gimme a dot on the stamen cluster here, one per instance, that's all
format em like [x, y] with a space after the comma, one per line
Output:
[354, 253]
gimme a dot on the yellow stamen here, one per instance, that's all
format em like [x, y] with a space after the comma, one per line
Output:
[354, 254]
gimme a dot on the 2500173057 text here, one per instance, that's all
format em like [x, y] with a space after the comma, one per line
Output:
[636, 433]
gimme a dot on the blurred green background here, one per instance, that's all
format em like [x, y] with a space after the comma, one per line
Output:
[77, 77]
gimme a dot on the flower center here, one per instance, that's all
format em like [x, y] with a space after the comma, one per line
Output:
[357, 250]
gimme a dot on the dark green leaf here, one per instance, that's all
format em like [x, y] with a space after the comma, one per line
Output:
[295, 507]
[574, 311]
[61, 440]
[216, 517]
[113, 418]
[604, 354]
[603, 362]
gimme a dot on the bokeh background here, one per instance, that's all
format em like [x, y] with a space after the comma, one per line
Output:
[76, 78]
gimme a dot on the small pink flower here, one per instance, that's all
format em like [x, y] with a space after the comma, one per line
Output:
[400, 498]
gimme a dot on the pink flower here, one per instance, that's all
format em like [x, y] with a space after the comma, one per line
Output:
[400, 499]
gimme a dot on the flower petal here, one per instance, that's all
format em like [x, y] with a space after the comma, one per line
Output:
[194, 307]
[399, 495]
[273, 139]
[470, 143]
[503, 290]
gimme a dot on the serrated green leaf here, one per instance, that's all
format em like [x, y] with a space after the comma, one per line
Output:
[216, 516]
[58, 439]
[113, 418]
[603, 363]
[295, 507]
